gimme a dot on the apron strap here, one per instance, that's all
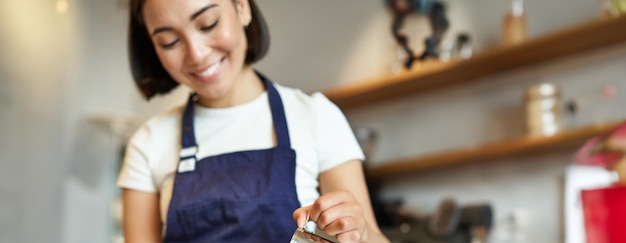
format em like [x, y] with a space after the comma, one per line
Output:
[278, 113]
[189, 147]
[188, 141]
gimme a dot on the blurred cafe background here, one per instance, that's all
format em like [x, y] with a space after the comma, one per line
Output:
[470, 135]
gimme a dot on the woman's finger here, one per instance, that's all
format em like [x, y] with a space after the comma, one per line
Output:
[300, 215]
[350, 236]
[342, 217]
[327, 201]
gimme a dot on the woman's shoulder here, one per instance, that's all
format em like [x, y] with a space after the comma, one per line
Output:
[166, 118]
[157, 126]
[313, 102]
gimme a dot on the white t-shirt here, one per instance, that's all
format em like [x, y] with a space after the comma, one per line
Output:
[319, 133]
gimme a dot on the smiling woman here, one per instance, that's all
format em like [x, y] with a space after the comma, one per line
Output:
[243, 160]
[151, 77]
[203, 45]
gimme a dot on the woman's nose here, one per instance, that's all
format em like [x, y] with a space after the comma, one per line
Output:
[197, 51]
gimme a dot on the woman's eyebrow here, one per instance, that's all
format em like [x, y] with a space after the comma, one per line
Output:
[161, 29]
[195, 15]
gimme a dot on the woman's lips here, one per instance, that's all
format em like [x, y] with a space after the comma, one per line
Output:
[209, 73]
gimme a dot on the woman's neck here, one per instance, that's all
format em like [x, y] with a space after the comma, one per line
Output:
[246, 87]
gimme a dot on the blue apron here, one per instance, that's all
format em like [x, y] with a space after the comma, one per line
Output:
[246, 196]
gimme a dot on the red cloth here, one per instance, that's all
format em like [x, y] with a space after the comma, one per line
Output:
[605, 214]
[588, 154]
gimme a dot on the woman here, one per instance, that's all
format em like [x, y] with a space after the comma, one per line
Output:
[245, 160]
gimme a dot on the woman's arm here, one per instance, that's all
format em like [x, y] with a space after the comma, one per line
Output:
[344, 208]
[142, 222]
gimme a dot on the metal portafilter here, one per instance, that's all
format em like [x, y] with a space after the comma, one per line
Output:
[310, 233]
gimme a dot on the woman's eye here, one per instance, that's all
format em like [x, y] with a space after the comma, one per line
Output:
[169, 45]
[210, 27]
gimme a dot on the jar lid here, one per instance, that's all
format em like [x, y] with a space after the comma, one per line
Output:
[542, 90]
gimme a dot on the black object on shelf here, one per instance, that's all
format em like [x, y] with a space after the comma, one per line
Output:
[450, 224]
[438, 22]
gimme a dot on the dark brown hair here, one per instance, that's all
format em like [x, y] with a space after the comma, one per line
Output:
[148, 73]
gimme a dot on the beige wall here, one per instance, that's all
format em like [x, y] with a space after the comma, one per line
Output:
[38, 61]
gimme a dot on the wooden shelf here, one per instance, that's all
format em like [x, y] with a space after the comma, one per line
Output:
[576, 40]
[517, 147]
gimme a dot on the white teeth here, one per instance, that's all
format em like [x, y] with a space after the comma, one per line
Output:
[211, 70]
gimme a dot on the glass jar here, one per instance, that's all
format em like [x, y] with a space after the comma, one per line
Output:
[514, 26]
[543, 110]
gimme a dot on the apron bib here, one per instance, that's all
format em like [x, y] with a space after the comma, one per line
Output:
[245, 196]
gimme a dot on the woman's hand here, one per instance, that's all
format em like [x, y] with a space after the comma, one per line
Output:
[338, 213]
[344, 208]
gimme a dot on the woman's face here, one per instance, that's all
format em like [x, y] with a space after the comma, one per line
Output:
[201, 43]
